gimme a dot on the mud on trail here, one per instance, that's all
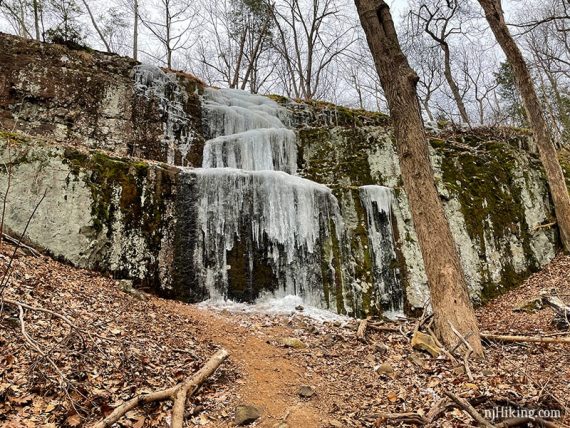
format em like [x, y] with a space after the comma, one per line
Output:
[132, 343]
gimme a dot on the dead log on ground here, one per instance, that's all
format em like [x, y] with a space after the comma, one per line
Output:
[407, 418]
[30, 250]
[177, 394]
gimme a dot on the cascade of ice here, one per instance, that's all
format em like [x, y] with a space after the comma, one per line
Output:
[272, 149]
[265, 231]
[246, 226]
[154, 84]
[246, 132]
[377, 202]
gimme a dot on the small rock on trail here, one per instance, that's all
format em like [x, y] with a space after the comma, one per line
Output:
[246, 415]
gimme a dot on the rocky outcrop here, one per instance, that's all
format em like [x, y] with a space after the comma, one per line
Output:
[93, 126]
[100, 212]
[100, 101]
[494, 194]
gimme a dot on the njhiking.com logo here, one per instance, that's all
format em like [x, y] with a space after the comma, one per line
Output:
[506, 412]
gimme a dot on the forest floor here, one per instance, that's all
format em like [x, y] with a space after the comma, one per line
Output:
[132, 343]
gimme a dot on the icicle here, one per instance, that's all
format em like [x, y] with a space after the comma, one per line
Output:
[153, 83]
[377, 202]
[272, 149]
[269, 219]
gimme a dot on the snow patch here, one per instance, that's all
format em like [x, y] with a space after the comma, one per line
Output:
[267, 304]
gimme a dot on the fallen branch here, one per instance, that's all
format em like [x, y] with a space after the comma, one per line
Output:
[543, 226]
[177, 393]
[33, 344]
[470, 410]
[57, 315]
[408, 418]
[17, 242]
[383, 328]
[533, 339]
[439, 409]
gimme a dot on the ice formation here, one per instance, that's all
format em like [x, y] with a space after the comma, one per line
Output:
[249, 228]
[153, 83]
[246, 132]
[271, 149]
[377, 202]
[264, 230]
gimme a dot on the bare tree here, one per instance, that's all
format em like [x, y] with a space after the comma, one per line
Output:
[171, 22]
[135, 29]
[535, 114]
[310, 37]
[549, 58]
[450, 301]
[15, 12]
[478, 69]
[95, 26]
[427, 61]
[238, 37]
[440, 20]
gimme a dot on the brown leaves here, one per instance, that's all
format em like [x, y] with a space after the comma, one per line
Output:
[101, 372]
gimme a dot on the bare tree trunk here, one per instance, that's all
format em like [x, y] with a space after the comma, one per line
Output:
[167, 22]
[37, 19]
[450, 301]
[23, 30]
[97, 29]
[255, 53]
[452, 85]
[542, 135]
[235, 79]
[136, 30]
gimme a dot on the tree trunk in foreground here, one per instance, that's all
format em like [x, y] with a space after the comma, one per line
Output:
[541, 132]
[449, 296]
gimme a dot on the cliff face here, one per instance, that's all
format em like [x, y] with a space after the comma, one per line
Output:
[99, 101]
[107, 139]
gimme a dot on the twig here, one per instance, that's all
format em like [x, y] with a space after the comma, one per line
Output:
[409, 418]
[543, 226]
[8, 270]
[466, 364]
[465, 342]
[469, 409]
[382, 328]
[8, 185]
[177, 393]
[439, 344]
[57, 315]
[438, 409]
[36, 347]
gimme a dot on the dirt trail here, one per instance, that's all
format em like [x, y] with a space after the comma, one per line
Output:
[157, 343]
[271, 376]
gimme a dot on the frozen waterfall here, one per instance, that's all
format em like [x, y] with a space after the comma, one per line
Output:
[260, 231]
[246, 132]
[377, 202]
[247, 227]
[263, 149]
